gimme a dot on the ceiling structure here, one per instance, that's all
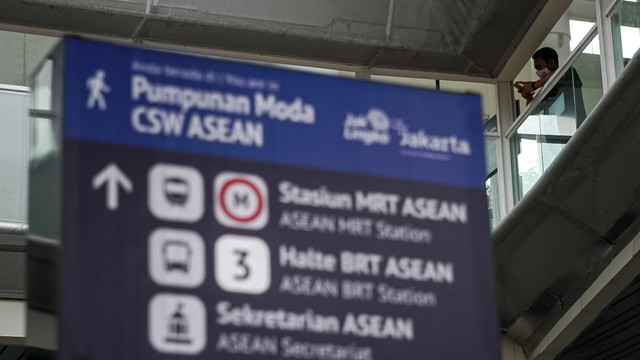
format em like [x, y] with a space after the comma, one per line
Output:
[473, 38]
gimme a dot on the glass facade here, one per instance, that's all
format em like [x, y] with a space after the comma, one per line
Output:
[625, 28]
[41, 88]
[14, 150]
[550, 124]
[45, 155]
[492, 183]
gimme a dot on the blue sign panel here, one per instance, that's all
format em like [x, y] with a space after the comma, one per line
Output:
[215, 210]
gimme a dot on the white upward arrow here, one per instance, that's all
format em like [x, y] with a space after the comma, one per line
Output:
[112, 176]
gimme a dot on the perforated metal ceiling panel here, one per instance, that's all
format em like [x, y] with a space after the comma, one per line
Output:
[470, 37]
[614, 334]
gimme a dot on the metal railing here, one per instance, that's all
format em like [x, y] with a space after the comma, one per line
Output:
[13, 228]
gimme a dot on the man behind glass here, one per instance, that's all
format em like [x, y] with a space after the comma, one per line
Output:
[545, 61]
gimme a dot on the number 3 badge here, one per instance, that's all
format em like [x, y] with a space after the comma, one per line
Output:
[242, 264]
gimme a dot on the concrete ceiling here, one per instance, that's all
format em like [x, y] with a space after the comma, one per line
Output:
[466, 37]
[583, 10]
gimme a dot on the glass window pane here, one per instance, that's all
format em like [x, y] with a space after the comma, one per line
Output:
[45, 183]
[625, 26]
[534, 151]
[491, 124]
[491, 184]
[14, 142]
[579, 30]
[41, 88]
[491, 155]
[588, 68]
[493, 200]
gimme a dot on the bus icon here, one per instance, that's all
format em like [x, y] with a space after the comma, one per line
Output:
[176, 255]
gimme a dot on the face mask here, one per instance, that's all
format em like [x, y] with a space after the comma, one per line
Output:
[542, 73]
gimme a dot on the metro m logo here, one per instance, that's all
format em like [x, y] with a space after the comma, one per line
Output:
[241, 200]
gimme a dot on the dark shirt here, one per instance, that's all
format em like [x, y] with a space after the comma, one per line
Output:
[569, 87]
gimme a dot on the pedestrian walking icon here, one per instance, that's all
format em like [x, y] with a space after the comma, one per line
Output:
[97, 87]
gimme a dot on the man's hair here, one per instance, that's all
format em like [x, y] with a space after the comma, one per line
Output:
[546, 53]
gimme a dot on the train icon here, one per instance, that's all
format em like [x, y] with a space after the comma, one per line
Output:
[176, 193]
[176, 190]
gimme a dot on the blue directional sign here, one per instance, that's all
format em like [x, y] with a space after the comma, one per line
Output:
[217, 210]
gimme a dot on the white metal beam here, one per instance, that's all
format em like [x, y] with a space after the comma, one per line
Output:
[13, 322]
[604, 10]
[506, 117]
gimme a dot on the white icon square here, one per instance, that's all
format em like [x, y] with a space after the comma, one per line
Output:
[176, 258]
[177, 324]
[176, 193]
[241, 200]
[242, 264]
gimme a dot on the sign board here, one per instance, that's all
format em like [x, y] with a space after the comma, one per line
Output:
[217, 210]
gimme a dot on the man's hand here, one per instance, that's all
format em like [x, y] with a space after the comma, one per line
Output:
[525, 88]
[529, 98]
